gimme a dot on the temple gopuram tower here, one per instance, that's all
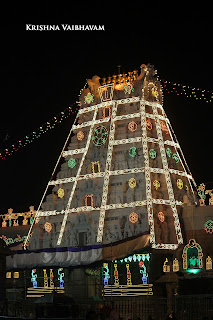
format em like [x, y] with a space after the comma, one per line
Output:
[121, 172]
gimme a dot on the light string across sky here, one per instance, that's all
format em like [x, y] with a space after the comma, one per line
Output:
[168, 86]
[51, 124]
[188, 91]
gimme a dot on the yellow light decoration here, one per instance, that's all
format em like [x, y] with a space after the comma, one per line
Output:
[80, 135]
[132, 126]
[133, 217]
[132, 183]
[116, 279]
[96, 167]
[89, 98]
[156, 184]
[8, 275]
[179, 184]
[16, 275]
[48, 226]
[166, 267]
[45, 278]
[175, 265]
[129, 277]
[106, 92]
[155, 92]
[60, 193]
[208, 263]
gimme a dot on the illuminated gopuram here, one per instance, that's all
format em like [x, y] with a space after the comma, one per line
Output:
[119, 217]
[121, 172]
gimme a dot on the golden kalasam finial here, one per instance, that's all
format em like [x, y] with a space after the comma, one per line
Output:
[130, 76]
[109, 80]
[114, 78]
[135, 74]
[119, 78]
[124, 77]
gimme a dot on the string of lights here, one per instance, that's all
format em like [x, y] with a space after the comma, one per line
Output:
[187, 91]
[51, 124]
[168, 86]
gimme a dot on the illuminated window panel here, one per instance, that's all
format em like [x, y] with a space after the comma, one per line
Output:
[16, 275]
[106, 112]
[96, 167]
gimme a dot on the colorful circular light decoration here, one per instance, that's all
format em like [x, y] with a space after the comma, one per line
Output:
[71, 163]
[161, 216]
[208, 226]
[132, 126]
[128, 88]
[179, 184]
[133, 217]
[132, 183]
[156, 184]
[89, 98]
[100, 136]
[80, 135]
[60, 193]
[48, 226]
[148, 124]
[133, 152]
[152, 153]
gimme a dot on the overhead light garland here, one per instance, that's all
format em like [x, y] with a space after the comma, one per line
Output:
[51, 124]
[188, 91]
[168, 86]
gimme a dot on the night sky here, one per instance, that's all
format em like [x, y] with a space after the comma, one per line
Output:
[43, 72]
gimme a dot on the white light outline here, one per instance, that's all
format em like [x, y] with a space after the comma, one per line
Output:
[166, 171]
[107, 174]
[167, 177]
[76, 180]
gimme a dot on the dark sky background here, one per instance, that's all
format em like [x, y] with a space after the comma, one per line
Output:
[43, 72]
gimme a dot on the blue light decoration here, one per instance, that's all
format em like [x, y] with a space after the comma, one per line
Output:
[61, 276]
[143, 272]
[106, 274]
[127, 277]
[33, 278]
